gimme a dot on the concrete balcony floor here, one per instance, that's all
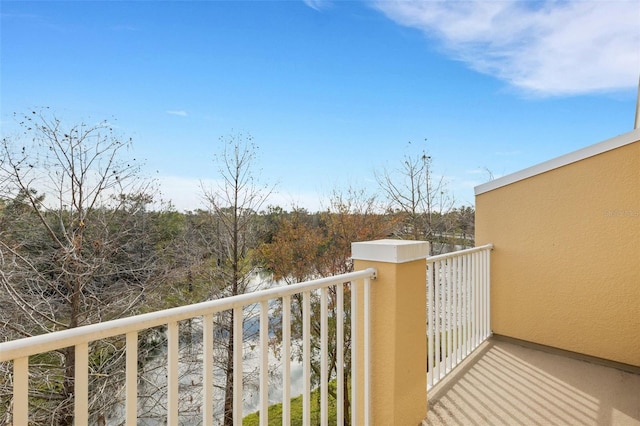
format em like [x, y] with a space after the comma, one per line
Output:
[506, 383]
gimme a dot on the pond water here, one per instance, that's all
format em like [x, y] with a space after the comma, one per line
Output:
[152, 385]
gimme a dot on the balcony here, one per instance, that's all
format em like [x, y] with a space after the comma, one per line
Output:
[537, 325]
[471, 378]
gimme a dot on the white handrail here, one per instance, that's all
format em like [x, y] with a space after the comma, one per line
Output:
[65, 338]
[460, 253]
[19, 351]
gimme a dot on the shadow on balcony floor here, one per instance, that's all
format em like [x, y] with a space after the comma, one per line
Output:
[504, 383]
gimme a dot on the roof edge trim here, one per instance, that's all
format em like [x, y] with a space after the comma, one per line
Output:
[555, 163]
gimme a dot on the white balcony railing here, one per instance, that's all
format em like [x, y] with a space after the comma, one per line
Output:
[18, 351]
[458, 308]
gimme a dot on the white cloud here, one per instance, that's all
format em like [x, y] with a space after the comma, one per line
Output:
[179, 113]
[545, 47]
[317, 4]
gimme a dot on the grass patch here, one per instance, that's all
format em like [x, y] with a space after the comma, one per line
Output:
[275, 411]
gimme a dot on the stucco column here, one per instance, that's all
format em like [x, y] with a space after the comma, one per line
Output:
[398, 370]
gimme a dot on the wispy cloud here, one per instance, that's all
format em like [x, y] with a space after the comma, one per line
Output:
[178, 113]
[546, 48]
[317, 4]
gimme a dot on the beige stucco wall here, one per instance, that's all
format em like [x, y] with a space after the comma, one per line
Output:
[565, 270]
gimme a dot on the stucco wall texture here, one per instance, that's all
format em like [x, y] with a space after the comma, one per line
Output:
[565, 269]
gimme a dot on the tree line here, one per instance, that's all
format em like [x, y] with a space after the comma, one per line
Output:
[83, 240]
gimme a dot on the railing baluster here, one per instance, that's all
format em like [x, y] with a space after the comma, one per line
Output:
[470, 302]
[443, 325]
[355, 353]
[473, 301]
[340, 354]
[450, 325]
[476, 300]
[81, 384]
[467, 321]
[444, 312]
[238, 323]
[461, 295]
[487, 297]
[207, 370]
[445, 317]
[482, 297]
[172, 372]
[306, 358]
[488, 279]
[286, 360]
[132, 378]
[264, 363]
[436, 301]
[459, 308]
[481, 293]
[21, 391]
[454, 338]
[324, 351]
[483, 302]
[367, 351]
[430, 319]
[442, 302]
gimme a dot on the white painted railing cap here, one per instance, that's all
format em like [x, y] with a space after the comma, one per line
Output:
[390, 251]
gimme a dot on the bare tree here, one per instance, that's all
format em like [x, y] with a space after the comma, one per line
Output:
[73, 251]
[424, 201]
[234, 203]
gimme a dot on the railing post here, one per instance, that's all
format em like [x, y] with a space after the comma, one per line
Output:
[398, 346]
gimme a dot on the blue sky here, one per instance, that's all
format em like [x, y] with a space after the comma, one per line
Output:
[331, 91]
